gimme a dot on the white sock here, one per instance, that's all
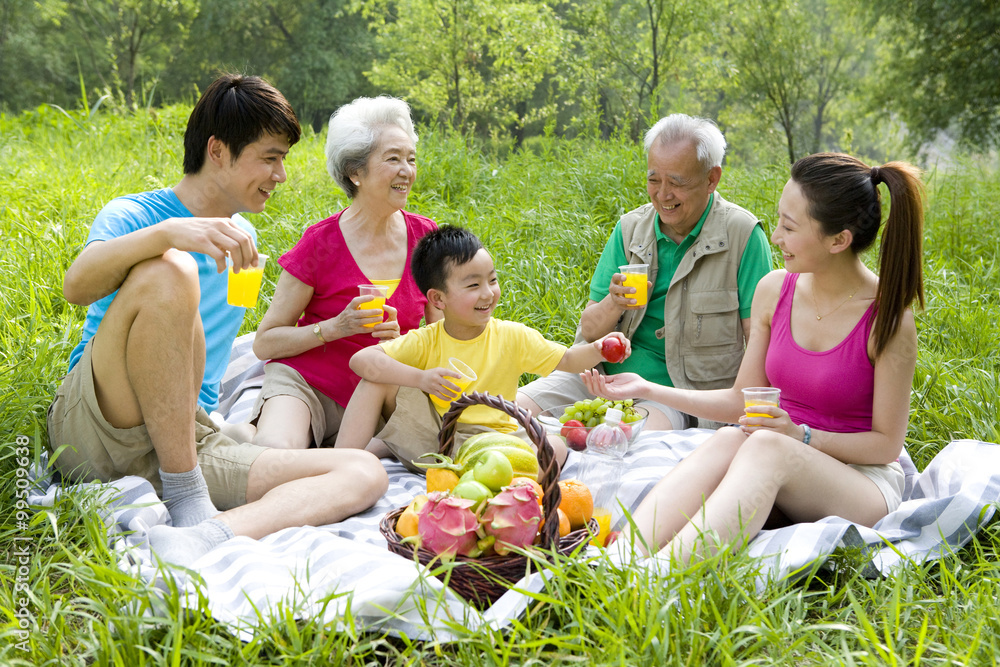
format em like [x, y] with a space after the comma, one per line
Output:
[184, 546]
[186, 497]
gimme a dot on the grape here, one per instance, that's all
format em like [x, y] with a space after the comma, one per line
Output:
[564, 419]
[578, 415]
[590, 423]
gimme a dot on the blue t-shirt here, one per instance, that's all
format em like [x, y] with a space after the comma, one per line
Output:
[221, 321]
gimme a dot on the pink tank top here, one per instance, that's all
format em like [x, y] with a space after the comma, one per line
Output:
[831, 390]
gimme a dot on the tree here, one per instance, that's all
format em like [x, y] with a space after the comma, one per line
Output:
[474, 64]
[630, 52]
[33, 67]
[126, 38]
[314, 51]
[941, 69]
[792, 60]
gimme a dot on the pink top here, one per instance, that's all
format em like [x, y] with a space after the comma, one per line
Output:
[322, 260]
[831, 390]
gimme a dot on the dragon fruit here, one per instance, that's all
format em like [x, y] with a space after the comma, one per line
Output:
[512, 517]
[447, 526]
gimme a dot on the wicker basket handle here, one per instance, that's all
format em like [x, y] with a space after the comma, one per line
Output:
[548, 470]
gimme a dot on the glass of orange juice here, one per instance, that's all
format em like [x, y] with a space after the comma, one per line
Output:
[602, 516]
[244, 286]
[637, 276]
[468, 377]
[377, 295]
[760, 396]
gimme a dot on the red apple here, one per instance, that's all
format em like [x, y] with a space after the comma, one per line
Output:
[575, 434]
[613, 350]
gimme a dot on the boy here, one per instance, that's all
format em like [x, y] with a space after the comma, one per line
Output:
[453, 269]
[158, 336]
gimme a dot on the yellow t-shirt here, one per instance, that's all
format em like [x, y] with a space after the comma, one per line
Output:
[499, 356]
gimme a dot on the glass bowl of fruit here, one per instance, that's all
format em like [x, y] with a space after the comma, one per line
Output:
[574, 421]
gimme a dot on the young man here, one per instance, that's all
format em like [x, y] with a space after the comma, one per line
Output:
[400, 376]
[158, 336]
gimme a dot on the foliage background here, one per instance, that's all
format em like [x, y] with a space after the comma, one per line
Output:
[782, 77]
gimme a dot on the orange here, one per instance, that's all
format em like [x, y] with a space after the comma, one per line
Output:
[406, 524]
[527, 481]
[441, 479]
[576, 502]
[564, 526]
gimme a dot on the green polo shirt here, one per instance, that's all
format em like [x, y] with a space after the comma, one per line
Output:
[648, 358]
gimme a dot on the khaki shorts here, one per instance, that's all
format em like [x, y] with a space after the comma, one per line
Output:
[562, 388]
[415, 424]
[890, 480]
[325, 414]
[97, 451]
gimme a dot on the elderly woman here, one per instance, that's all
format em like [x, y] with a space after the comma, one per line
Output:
[314, 324]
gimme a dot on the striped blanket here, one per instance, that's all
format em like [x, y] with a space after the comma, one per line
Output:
[335, 571]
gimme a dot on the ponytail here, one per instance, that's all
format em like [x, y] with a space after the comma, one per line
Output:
[901, 275]
[843, 194]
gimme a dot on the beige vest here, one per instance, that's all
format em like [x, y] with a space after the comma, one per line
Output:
[703, 333]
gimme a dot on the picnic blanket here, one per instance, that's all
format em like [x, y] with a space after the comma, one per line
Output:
[345, 569]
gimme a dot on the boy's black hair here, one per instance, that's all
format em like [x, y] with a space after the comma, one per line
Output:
[238, 110]
[438, 252]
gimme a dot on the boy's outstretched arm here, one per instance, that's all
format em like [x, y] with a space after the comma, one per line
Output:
[587, 355]
[374, 365]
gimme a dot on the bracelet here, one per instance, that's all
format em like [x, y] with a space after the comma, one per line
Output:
[807, 433]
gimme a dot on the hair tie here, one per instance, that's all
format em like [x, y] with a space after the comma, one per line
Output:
[876, 176]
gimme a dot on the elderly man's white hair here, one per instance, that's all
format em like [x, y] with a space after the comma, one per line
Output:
[708, 139]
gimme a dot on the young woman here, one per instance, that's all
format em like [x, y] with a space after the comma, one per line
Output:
[838, 340]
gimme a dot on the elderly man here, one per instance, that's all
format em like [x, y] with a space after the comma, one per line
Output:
[705, 256]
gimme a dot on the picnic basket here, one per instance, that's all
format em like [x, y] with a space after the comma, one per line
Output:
[481, 581]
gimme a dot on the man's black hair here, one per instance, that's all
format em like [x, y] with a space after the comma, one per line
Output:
[237, 110]
[439, 252]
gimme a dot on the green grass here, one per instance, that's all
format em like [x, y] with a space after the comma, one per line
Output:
[545, 214]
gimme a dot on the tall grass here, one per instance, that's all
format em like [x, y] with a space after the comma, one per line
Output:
[545, 213]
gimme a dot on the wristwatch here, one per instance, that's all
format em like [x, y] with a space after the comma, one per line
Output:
[318, 332]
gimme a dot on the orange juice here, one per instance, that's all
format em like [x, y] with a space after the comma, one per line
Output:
[467, 377]
[462, 382]
[603, 518]
[244, 287]
[760, 396]
[377, 295]
[377, 302]
[750, 404]
[638, 281]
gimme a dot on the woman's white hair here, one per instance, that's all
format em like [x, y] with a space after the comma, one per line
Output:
[354, 132]
[711, 145]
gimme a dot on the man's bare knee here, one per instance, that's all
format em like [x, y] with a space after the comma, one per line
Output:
[169, 277]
